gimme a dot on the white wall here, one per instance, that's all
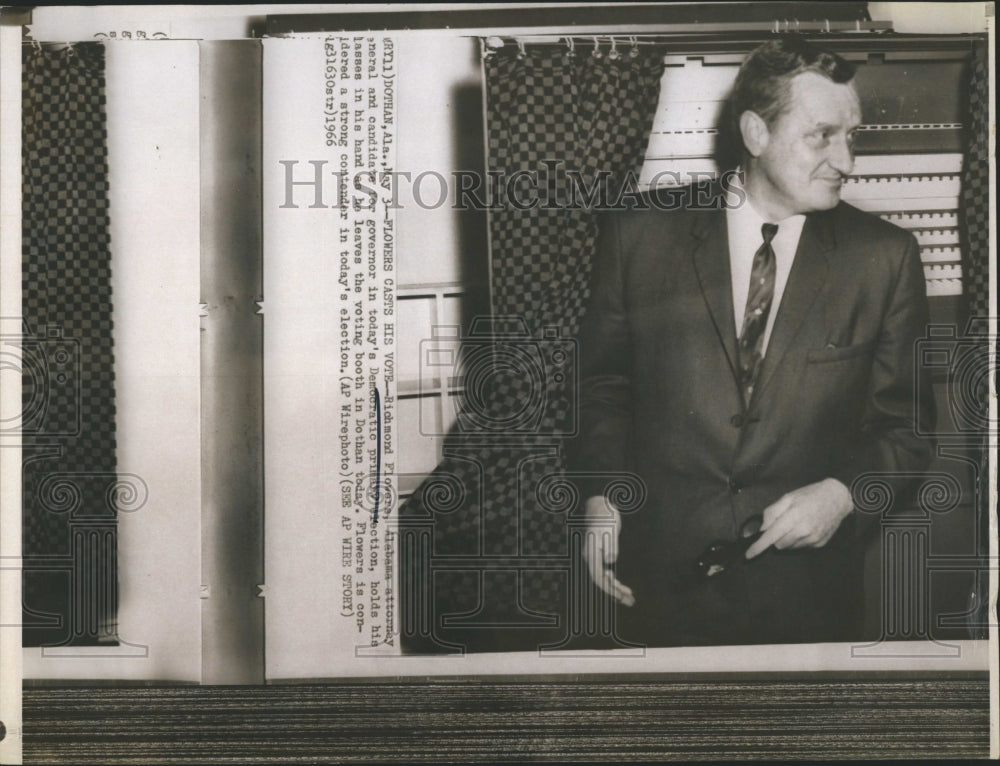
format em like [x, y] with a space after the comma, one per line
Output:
[936, 18]
[440, 82]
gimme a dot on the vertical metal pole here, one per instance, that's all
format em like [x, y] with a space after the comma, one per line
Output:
[232, 352]
[10, 395]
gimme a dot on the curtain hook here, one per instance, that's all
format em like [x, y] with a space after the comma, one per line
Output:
[634, 51]
[826, 25]
[613, 54]
[521, 53]
[597, 48]
[570, 48]
[491, 45]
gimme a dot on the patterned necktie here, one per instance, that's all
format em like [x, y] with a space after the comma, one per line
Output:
[759, 301]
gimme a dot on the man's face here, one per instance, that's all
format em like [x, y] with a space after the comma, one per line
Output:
[809, 150]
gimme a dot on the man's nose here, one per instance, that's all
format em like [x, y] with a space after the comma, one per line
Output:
[842, 156]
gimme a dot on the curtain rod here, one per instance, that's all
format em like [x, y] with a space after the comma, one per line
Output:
[668, 30]
[890, 44]
[647, 38]
[605, 29]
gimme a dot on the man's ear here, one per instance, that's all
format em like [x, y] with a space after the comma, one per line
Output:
[754, 131]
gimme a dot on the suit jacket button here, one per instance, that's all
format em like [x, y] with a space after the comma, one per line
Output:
[736, 421]
[735, 486]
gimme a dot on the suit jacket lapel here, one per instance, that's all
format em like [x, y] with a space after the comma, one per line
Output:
[809, 272]
[710, 253]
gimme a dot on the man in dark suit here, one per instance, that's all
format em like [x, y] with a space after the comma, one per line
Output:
[748, 362]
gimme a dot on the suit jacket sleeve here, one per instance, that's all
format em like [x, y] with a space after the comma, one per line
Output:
[602, 445]
[899, 394]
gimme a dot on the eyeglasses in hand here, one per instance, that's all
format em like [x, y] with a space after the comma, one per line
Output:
[721, 556]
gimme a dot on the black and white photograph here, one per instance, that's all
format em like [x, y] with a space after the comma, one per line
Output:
[469, 382]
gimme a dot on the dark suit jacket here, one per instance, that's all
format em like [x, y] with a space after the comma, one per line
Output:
[659, 398]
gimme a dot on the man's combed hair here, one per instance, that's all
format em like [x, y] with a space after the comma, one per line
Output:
[763, 84]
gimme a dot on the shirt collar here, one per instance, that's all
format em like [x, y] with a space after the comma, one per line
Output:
[747, 218]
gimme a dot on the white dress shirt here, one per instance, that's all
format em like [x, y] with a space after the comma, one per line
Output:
[744, 225]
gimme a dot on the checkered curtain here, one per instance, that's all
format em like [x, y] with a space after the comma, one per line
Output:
[69, 470]
[499, 492]
[974, 221]
[975, 198]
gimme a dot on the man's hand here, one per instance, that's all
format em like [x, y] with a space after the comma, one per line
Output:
[804, 518]
[600, 547]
